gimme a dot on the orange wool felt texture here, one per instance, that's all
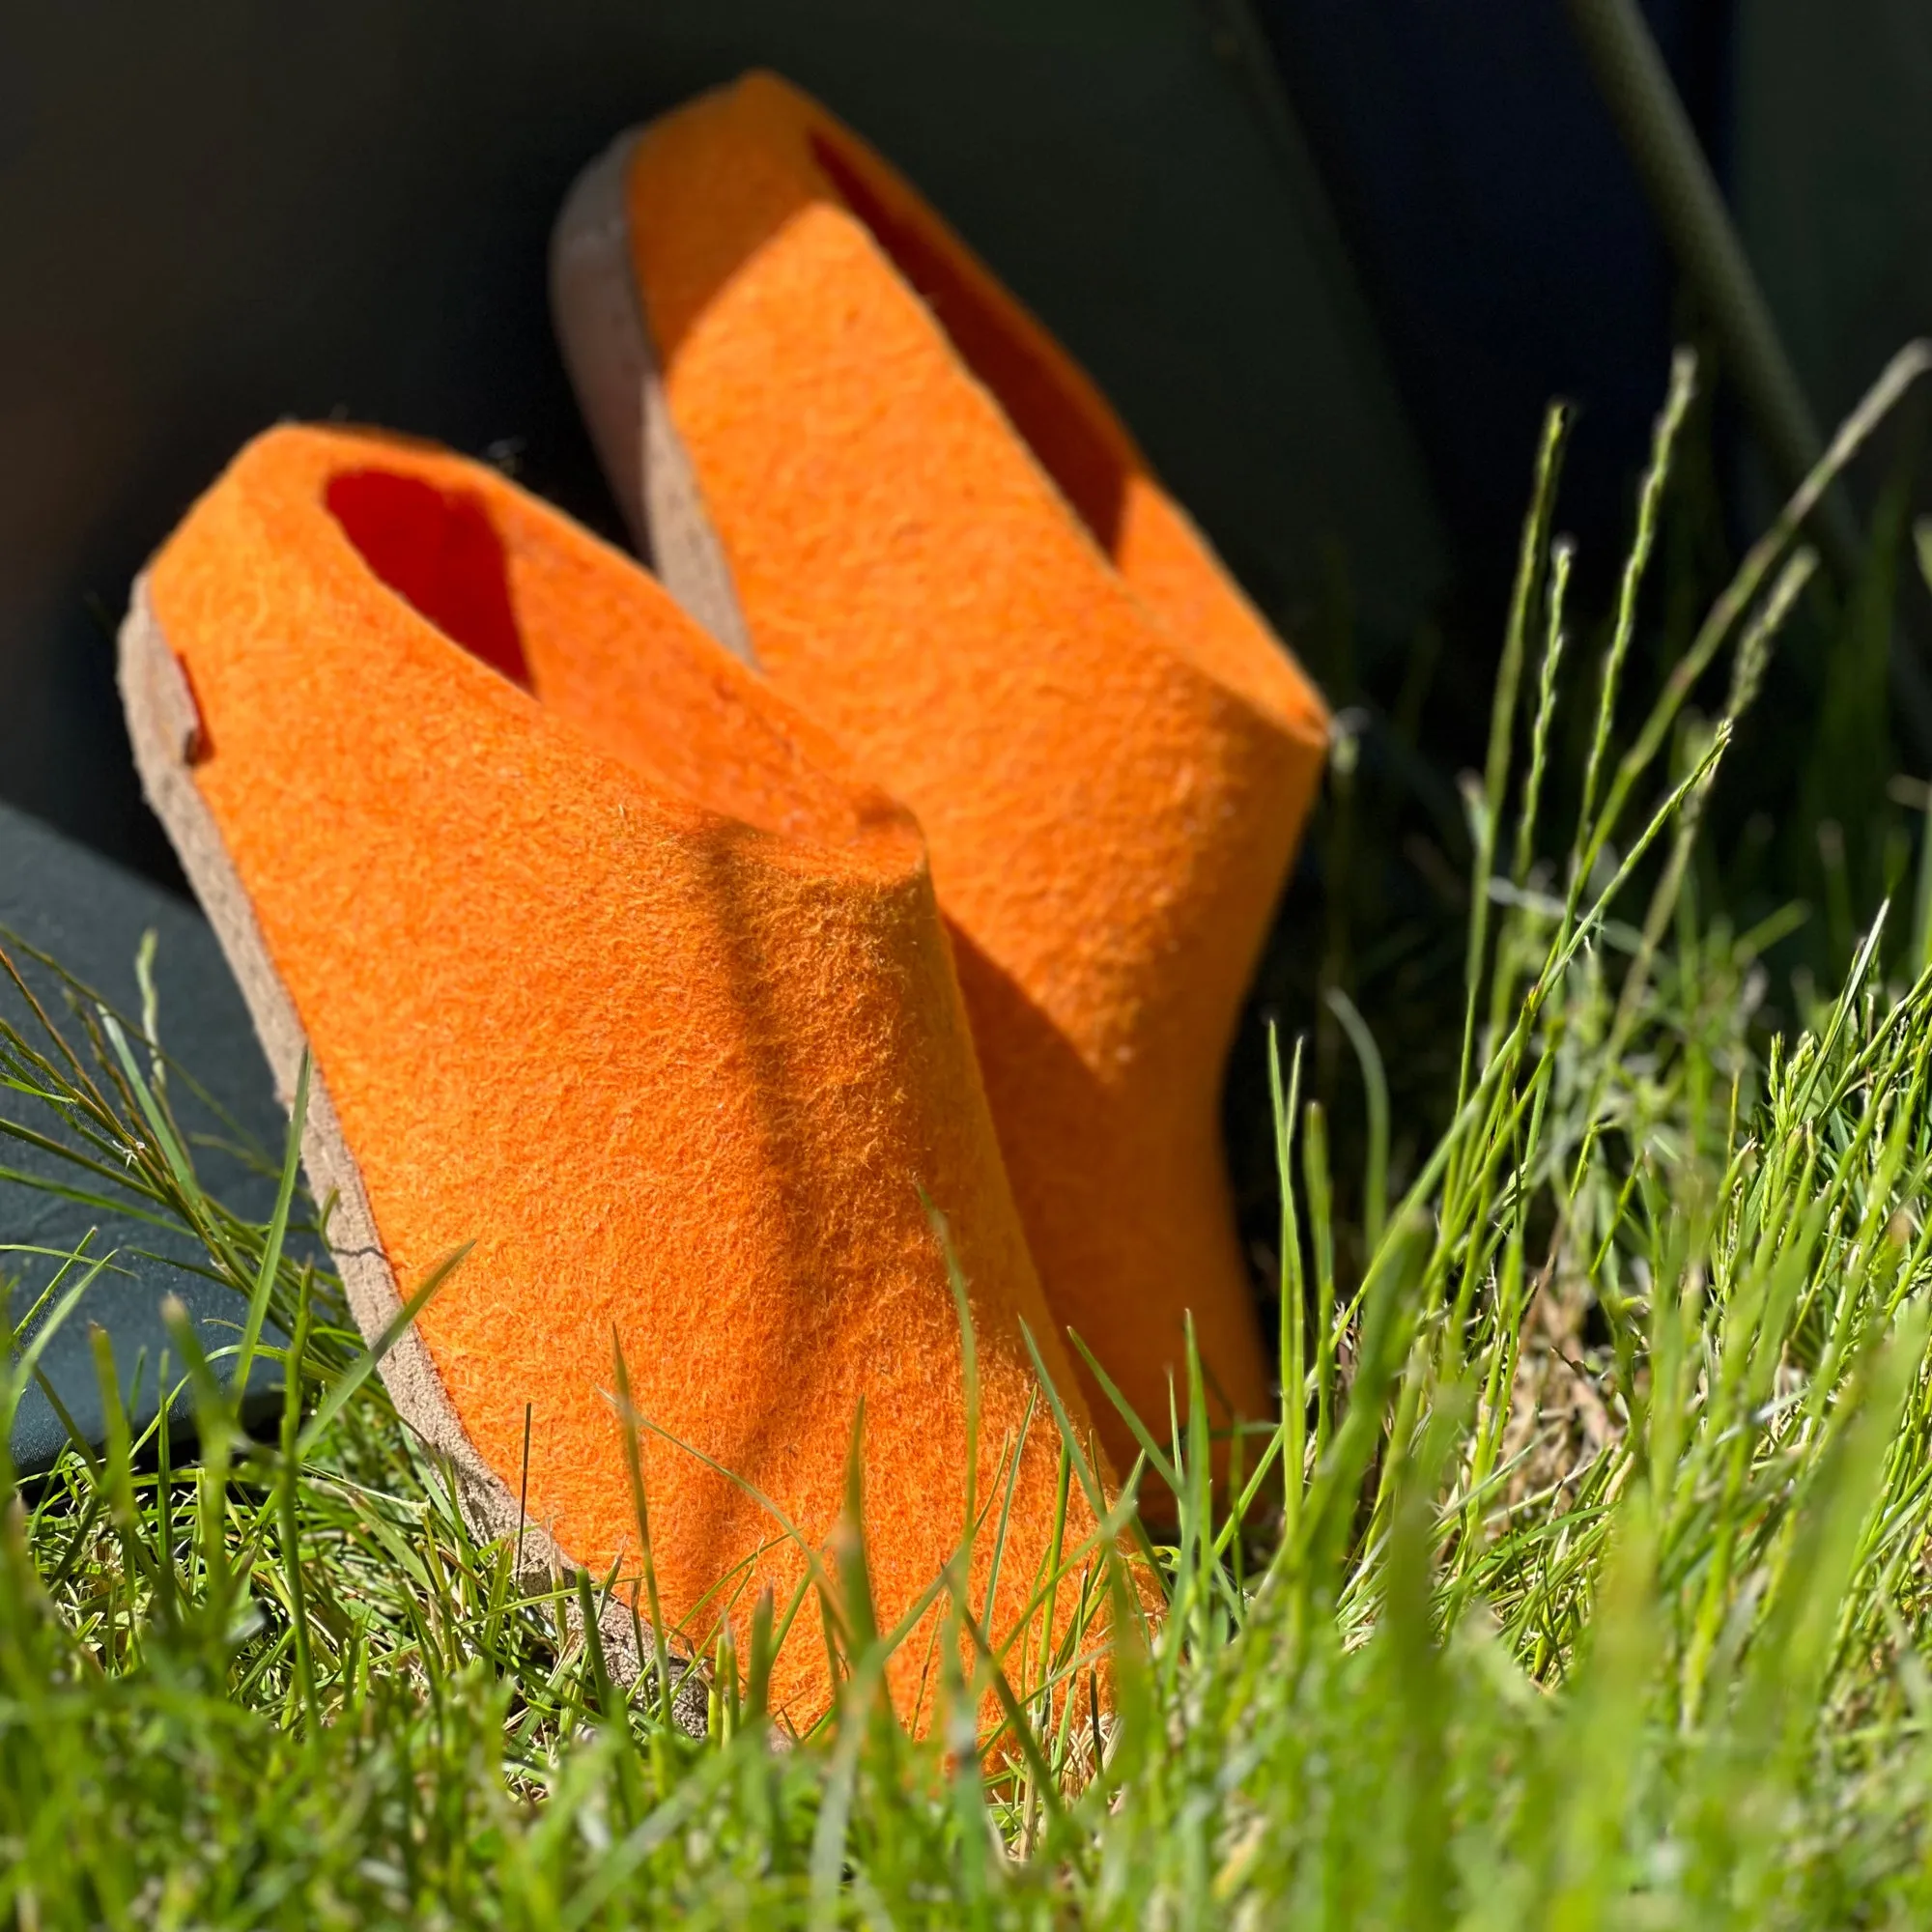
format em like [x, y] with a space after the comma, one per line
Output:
[614, 964]
[947, 550]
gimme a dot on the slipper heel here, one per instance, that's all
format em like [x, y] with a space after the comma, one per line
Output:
[939, 542]
[615, 972]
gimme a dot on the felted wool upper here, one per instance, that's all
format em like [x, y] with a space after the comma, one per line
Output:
[613, 965]
[948, 552]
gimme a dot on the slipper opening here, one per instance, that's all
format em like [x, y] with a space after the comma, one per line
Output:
[439, 551]
[591, 641]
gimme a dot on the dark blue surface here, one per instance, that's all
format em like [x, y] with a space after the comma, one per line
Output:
[90, 916]
[1502, 234]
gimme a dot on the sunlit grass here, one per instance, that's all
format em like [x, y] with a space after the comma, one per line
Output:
[1582, 1581]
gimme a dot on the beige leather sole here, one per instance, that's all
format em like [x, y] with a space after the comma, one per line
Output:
[606, 348]
[165, 728]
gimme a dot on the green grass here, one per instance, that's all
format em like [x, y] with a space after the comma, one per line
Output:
[1584, 1581]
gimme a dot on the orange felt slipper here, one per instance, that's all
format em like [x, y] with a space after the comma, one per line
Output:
[851, 453]
[611, 964]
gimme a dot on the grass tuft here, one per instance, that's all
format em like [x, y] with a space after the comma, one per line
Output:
[1582, 1581]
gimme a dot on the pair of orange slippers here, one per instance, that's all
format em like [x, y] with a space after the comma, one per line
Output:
[685, 941]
